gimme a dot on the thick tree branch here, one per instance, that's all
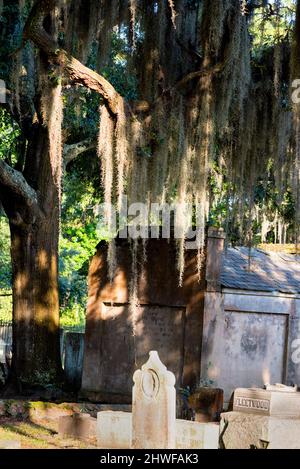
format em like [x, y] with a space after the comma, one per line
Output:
[17, 184]
[144, 106]
[218, 68]
[71, 152]
[77, 72]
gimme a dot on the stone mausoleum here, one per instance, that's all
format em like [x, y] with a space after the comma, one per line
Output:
[169, 320]
[236, 327]
[251, 322]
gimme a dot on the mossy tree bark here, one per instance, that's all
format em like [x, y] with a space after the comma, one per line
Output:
[33, 212]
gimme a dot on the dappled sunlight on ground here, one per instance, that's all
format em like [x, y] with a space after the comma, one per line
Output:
[43, 435]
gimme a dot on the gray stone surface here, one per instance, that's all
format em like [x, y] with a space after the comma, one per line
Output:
[245, 339]
[240, 430]
[165, 331]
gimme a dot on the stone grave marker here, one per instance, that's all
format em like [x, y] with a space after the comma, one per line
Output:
[153, 406]
[114, 429]
[263, 418]
[276, 403]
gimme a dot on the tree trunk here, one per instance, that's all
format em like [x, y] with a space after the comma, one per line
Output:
[34, 254]
[36, 351]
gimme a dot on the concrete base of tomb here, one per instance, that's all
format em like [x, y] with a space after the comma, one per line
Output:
[240, 430]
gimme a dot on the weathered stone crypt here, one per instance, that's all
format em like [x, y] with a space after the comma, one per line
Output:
[169, 320]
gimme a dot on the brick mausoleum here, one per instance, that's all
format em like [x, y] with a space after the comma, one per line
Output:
[169, 320]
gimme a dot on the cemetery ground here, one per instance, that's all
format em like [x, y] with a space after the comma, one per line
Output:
[42, 435]
[35, 425]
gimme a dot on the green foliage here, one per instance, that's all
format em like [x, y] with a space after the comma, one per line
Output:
[79, 236]
[5, 272]
[5, 265]
[82, 185]
[272, 23]
[9, 137]
[12, 37]
[9, 134]
[267, 201]
[117, 70]
[81, 114]
[220, 190]
[77, 244]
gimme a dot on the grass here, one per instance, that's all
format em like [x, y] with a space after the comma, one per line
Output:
[43, 435]
[5, 306]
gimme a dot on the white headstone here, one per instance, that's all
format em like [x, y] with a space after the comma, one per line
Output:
[153, 406]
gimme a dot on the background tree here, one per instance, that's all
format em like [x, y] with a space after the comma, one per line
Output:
[200, 96]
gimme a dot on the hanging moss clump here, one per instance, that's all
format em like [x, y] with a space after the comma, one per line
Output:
[204, 96]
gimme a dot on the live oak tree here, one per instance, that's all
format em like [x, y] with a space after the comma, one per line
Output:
[197, 101]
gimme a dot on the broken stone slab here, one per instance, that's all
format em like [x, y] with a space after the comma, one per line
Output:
[239, 430]
[114, 429]
[267, 402]
[80, 426]
[114, 432]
